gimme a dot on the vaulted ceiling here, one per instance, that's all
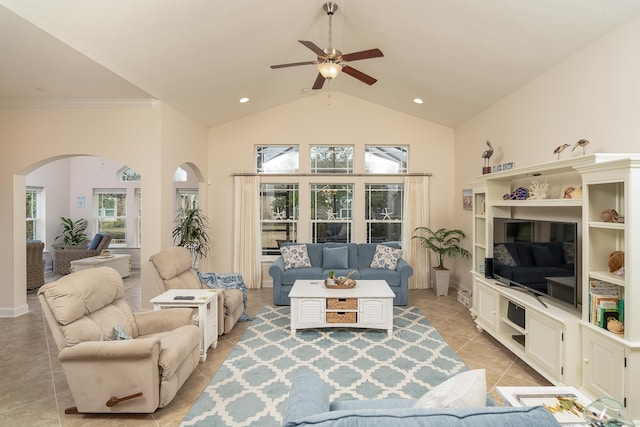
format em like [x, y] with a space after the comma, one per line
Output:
[202, 56]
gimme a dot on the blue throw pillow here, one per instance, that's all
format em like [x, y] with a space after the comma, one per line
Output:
[95, 241]
[335, 258]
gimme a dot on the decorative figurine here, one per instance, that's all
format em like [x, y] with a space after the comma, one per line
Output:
[486, 155]
[581, 143]
[538, 191]
[560, 149]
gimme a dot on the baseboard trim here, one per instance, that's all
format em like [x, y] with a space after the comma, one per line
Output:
[14, 312]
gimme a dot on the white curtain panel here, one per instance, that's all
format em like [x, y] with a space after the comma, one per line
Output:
[416, 210]
[247, 245]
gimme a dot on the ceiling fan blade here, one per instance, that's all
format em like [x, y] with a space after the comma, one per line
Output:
[364, 54]
[319, 82]
[293, 64]
[358, 75]
[311, 45]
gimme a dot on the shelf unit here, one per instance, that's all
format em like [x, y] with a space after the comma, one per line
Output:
[611, 362]
[560, 342]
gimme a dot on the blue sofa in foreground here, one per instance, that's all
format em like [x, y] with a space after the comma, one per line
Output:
[341, 258]
[308, 405]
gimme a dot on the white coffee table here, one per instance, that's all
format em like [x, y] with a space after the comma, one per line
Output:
[206, 301]
[546, 396]
[121, 263]
[368, 305]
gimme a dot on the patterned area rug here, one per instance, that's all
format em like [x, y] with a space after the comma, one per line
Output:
[252, 385]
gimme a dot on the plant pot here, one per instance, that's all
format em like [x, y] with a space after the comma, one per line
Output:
[442, 281]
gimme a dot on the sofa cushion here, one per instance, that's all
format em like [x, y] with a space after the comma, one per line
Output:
[333, 258]
[385, 257]
[391, 276]
[295, 256]
[465, 390]
[308, 396]
[542, 256]
[309, 273]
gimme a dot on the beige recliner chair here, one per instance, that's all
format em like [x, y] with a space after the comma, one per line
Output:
[116, 360]
[172, 270]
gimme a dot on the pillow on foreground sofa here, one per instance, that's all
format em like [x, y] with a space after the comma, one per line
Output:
[341, 258]
[308, 405]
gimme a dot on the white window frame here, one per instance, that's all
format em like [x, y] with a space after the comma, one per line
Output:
[392, 214]
[39, 224]
[287, 216]
[401, 165]
[97, 193]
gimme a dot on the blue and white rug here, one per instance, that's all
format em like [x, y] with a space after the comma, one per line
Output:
[252, 385]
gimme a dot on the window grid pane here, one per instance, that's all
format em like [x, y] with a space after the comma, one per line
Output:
[383, 212]
[331, 159]
[112, 216]
[331, 217]
[278, 216]
[277, 159]
[32, 206]
[386, 159]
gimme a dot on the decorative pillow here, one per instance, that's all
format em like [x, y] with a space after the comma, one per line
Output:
[569, 252]
[337, 257]
[295, 256]
[502, 255]
[95, 241]
[465, 390]
[386, 257]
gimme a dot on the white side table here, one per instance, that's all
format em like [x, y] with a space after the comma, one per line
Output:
[206, 301]
[120, 262]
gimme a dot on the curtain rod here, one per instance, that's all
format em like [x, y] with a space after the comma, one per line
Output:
[332, 174]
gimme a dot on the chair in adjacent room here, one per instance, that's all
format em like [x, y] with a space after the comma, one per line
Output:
[172, 270]
[35, 264]
[62, 257]
[114, 360]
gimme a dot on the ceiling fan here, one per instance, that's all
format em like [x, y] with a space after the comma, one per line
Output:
[331, 61]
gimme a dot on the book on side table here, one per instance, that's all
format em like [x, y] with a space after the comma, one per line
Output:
[565, 403]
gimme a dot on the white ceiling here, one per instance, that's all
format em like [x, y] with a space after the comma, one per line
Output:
[201, 56]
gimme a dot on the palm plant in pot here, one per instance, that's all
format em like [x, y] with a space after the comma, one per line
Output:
[73, 232]
[444, 243]
[190, 231]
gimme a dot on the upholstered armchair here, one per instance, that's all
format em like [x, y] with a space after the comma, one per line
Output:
[35, 264]
[172, 270]
[62, 257]
[114, 360]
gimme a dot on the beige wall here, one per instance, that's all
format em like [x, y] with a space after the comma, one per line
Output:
[595, 94]
[314, 120]
[139, 134]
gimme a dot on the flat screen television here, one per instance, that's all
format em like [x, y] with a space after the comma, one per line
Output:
[539, 256]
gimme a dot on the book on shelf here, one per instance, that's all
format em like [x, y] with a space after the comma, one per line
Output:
[604, 296]
[606, 314]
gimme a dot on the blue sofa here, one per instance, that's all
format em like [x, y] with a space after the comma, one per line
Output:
[360, 256]
[308, 405]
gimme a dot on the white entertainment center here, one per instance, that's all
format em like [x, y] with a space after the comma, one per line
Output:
[560, 341]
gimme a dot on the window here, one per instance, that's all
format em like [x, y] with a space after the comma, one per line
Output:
[277, 159]
[187, 198]
[331, 219]
[138, 204]
[129, 175]
[35, 225]
[383, 212]
[331, 159]
[386, 159]
[278, 216]
[112, 214]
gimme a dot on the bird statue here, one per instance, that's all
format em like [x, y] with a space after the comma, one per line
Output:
[560, 149]
[581, 143]
[486, 155]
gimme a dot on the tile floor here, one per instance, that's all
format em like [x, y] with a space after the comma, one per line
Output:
[34, 390]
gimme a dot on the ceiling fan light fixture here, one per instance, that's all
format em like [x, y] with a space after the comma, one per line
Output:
[329, 70]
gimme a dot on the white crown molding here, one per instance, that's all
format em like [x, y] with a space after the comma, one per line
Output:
[79, 103]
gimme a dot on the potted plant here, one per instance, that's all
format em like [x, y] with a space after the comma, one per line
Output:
[73, 232]
[190, 231]
[444, 243]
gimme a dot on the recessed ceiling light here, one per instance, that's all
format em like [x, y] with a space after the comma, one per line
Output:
[418, 101]
[244, 100]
